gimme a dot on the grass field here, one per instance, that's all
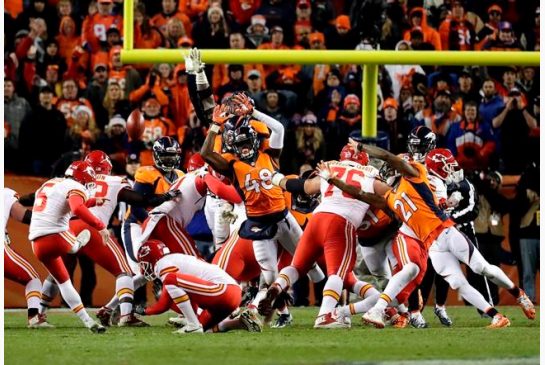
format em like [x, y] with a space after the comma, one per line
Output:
[70, 343]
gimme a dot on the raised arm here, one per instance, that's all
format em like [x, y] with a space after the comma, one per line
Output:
[297, 185]
[397, 163]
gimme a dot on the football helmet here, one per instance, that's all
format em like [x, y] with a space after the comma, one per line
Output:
[390, 175]
[82, 172]
[195, 162]
[167, 154]
[246, 143]
[100, 162]
[148, 255]
[421, 141]
[302, 202]
[348, 153]
[441, 163]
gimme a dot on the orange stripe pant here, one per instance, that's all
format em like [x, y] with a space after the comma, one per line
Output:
[174, 236]
[110, 256]
[49, 250]
[334, 237]
[407, 249]
[16, 268]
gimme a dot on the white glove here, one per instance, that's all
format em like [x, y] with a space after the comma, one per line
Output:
[195, 55]
[105, 234]
[277, 178]
[454, 199]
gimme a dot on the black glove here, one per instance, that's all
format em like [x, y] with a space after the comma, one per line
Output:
[158, 200]
[140, 309]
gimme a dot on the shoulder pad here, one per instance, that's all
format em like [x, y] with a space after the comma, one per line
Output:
[146, 174]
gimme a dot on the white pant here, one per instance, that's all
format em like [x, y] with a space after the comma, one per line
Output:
[214, 209]
[376, 259]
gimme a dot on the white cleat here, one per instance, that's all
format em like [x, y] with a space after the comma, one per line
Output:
[39, 321]
[250, 321]
[375, 317]
[82, 239]
[417, 320]
[332, 320]
[189, 328]
[95, 327]
[177, 321]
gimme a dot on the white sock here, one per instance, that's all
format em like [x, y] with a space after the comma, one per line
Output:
[287, 277]
[360, 307]
[316, 274]
[261, 294]
[124, 289]
[181, 299]
[72, 298]
[49, 292]
[396, 284]
[138, 281]
[364, 289]
[331, 294]
[33, 293]
[471, 294]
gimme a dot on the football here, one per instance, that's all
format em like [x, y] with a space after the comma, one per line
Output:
[135, 124]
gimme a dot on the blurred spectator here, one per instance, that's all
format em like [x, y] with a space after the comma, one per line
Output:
[67, 38]
[69, 100]
[276, 104]
[193, 8]
[490, 29]
[323, 14]
[16, 109]
[323, 100]
[318, 72]
[211, 29]
[491, 103]
[146, 35]
[393, 26]
[505, 41]
[439, 117]
[243, 10]
[509, 81]
[341, 35]
[174, 32]
[180, 104]
[51, 57]
[235, 83]
[37, 9]
[42, 132]
[127, 77]
[527, 83]
[152, 87]
[393, 125]
[115, 142]
[114, 102]
[458, 30]
[310, 141]
[96, 91]
[416, 39]
[255, 84]
[302, 32]
[531, 37]
[513, 126]
[84, 128]
[418, 103]
[95, 26]
[418, 19]
[402, 74]
[276, 42]
[348, 120]
[280, 12]
[168, 12]
[472, 140]
[257, 31]
[466, 91]
[52, 79]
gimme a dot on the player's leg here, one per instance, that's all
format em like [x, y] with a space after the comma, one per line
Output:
[49, 249]
[466, 252]
[448, 266]
[366, 291]
[17, 269]
[174, 236]
[174, 289]
[441, 293]
[214, 214]
[376, 259]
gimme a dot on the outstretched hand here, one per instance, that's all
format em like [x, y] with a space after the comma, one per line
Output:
[193, 62]
[324, 171]
[242, 104]
[221, 114]
[354, 144]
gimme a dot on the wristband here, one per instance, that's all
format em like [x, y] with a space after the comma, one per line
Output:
[215, 128]
[277, 178]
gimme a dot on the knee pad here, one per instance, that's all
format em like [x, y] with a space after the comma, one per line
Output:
[456, 281]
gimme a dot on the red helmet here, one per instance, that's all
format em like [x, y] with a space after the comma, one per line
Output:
[348, 153]
[148, 255]
[81, 171]
[441, 163]
[195, 162]
[100, 162]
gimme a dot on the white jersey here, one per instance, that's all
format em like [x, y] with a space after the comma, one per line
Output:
[10, 197]
[334, 200]
[108, 187]
[51, 211]
[181, 209]
[190, 265]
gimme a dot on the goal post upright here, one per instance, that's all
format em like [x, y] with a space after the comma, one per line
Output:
[368, 59]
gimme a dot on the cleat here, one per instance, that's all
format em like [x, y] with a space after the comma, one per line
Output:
[39, 321]
[282, 321]
[401, 320]
[189, 328]
[116, 316]
[527, 306]
[104, 315]
[265, 306]
[390, 313]
[95, 327]
[250, 321]
[248, 295]
[178, 322]
[417, 320]
[499, 321]
[441, 313]
[82, 239]
[131, 320]
[375, 317]
[332, 320]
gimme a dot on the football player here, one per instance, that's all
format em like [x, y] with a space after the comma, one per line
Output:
[16, 268]
[56, 201]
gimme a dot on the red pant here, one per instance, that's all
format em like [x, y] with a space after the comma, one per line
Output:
[216, 300]
[49, 250]
[16, 268]
[174, 236]
[109, 256]
[236, 257]
[407, 249]
[334, 237]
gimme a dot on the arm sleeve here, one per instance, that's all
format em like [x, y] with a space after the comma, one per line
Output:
[277, 129]
[224, 191]
[78, 208]
[28, 216]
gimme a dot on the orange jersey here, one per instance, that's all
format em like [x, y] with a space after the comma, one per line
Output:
[154, 129]
[94, 29]
[67, 108]
[160, 21]
[374, 223]
[414, 203]
[261, 197]
[153, 176]
[119, 76]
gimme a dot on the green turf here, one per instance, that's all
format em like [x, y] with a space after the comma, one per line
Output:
[69, 343]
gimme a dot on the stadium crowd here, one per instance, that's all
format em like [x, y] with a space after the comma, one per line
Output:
[67, 92]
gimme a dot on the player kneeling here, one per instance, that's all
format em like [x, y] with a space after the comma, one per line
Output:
[189, 284]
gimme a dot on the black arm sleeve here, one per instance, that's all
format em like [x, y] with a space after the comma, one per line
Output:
[468, 209]
[27, 200]
[295, 186]
[196, 99]
[27, 217]
[135, 199]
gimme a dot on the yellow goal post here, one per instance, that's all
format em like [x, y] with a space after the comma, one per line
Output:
[368, 59]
